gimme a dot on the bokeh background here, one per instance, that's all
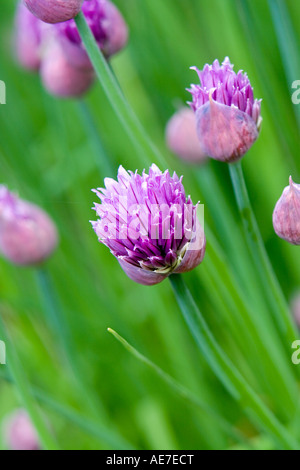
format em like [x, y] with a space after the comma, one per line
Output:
[49, 155]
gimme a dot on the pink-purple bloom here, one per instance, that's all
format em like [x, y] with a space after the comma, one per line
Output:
[182, 138]
[149, 224]
[27, 234]
[286, 215]
[28, 38]
[19, 433]
[60, 78]
[57, 50]
[54, 11]
[228, 116]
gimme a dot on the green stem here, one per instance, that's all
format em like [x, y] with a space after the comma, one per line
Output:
[180, 389]
[225, 369]
[16, 371]
[56, 320]
[115, 96]
[260, 258]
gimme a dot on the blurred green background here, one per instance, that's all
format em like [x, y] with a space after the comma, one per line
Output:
[48, 155]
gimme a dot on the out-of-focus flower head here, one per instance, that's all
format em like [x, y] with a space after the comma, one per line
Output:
[181, 136]
[60, 78]
[149, 224]
[19, 433]
[27, 234]
[54, 11]
[295, 307]
[228, 116]
[28, 38]
[107, 26]
[286, 215]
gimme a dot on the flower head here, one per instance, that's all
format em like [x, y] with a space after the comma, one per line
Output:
[286, 215]
[54, 11]
[27, 234]
[295, 307]
[228, 116]
[107, 25]
[19, 433]
[149, 224]
[60, 78]
[181, 136]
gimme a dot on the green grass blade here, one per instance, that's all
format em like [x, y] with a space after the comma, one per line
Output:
[224, 368]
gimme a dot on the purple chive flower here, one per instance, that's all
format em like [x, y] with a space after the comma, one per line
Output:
[149, 224]
[228, 116]
[27, 234]
[182, 138]
[28, 38]
[286, 215]
[107, 26]
[19, 433]
[54, 11]
[295, 307]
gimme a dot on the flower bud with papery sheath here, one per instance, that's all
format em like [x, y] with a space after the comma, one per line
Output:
[27, 234]
[228, 117]
[286, 215]
[181, 136]
[149, 224]
[54, 11]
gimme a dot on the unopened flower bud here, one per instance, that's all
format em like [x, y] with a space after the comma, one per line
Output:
[19, 433]
[286, 215]
[27, 234]
[150, 225]
[60, 77]
[107, 25]
[228, 116]
[27, 39]
[116, 31]
[181, 136]
[54, 11]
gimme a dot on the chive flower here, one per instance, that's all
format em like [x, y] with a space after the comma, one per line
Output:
[27, 39]
[228, 117]
[57, 51]
[286, 215]
[149, 225]
[19, 433]
[54, 11]
[107, 25]
[27, 234]
[181, 136]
